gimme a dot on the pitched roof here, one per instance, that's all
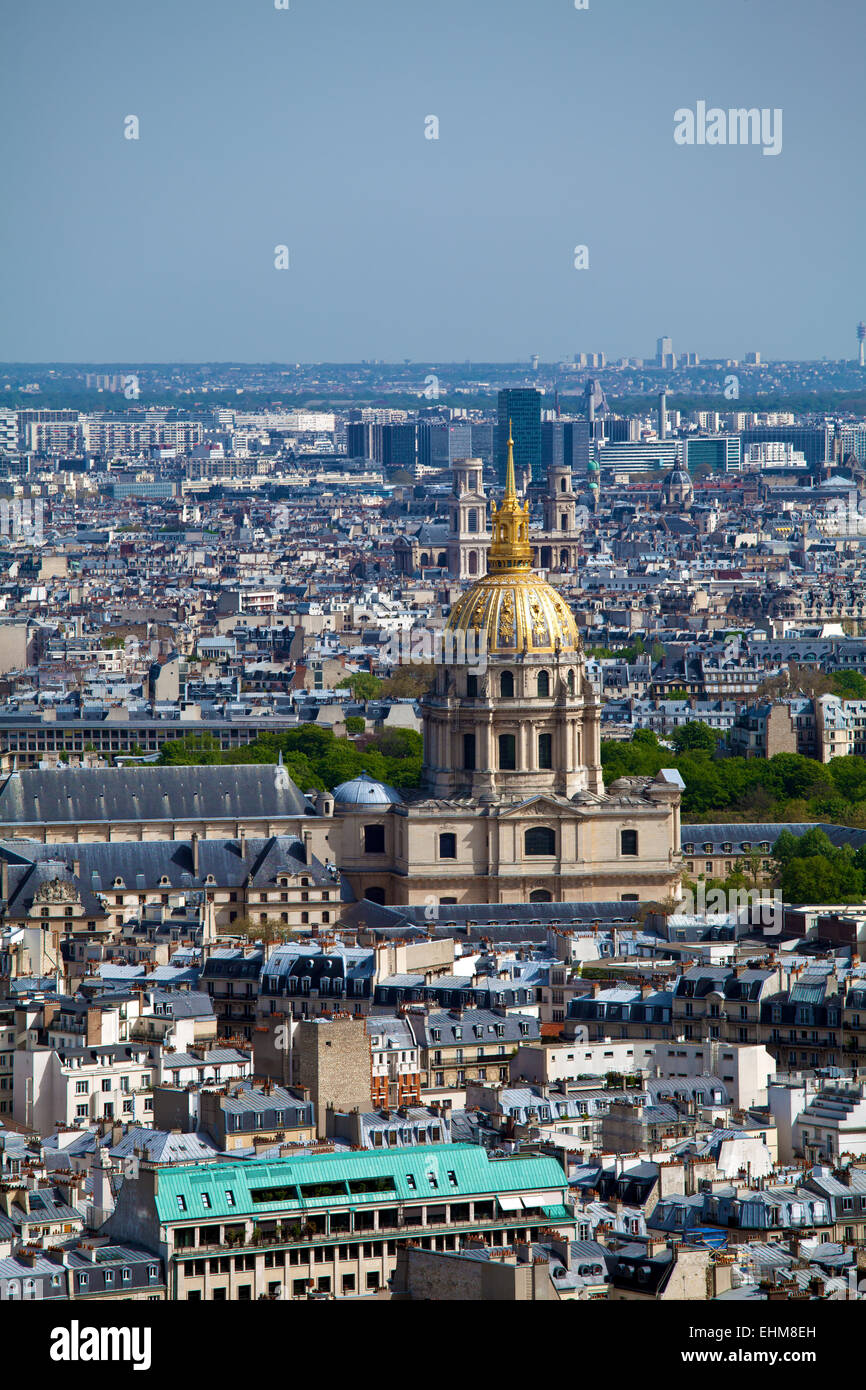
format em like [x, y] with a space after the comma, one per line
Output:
[63, 795]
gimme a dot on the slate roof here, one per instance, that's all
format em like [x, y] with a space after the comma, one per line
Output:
[143, 865]
[446, 1022]
[737, 833]
[163, 1146]
[66, 794]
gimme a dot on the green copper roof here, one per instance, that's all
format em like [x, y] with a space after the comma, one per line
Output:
[416, 1173]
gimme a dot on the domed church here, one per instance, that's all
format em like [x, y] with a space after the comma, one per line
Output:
[513, 806]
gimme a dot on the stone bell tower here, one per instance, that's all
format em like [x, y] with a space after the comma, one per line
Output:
[469, 536]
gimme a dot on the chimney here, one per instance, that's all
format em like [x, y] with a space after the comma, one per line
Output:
[4, 879]
[242, 838]
[194, 848]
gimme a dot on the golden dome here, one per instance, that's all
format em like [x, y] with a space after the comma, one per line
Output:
[517, 610]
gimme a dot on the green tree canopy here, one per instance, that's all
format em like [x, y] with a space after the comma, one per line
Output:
[696, 737]
[362, 684]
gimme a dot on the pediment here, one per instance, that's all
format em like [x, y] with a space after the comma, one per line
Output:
[542, 806]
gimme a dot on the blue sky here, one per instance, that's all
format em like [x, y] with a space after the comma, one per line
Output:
[306, 128]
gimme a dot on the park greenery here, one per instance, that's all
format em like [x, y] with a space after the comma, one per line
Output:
[786, 787]
[314, 758]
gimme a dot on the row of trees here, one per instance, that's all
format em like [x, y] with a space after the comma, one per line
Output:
[313, 757]
[787, 787]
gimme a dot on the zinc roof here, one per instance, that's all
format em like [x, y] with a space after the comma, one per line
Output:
[410, 1169]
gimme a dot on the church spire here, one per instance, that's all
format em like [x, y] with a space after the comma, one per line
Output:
[510, 485]
[510, 548]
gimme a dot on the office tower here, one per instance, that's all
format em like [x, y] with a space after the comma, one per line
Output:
[395, 446]
[853, 440]
[664, 352]
[459, 440]
[565, 444]
[619, 431]
[719, 452]
[522, 407]
[482, 442]
[359, 440]
[861, 336]
[663, 415]
[433, 444]
[811, 440]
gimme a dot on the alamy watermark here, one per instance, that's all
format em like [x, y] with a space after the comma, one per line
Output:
[22, 518]
[847, 516]
[736, 126]
[760, 907]
[426, 647]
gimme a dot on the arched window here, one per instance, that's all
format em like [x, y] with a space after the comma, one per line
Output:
[628, 842]
[540, 839]
[545, 557]
[506, 684]
[425, 558]
[563, 559]
[543, 683]
[375, 895]
[448, 846]
[540, 895]
[507, 752]
[562, 485]
[443, 559]
[571, 682]
[473, 562]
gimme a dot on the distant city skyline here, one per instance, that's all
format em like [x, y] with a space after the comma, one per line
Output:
[479, 181]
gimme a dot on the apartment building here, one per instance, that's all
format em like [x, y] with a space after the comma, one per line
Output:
[330, 1224]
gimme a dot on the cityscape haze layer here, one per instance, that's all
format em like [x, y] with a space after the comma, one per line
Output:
[432, 788]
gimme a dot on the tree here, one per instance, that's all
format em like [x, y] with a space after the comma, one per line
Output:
[696, 737]
[813, 869]
[849, 776]
[192, 748]
[398, 743]
[355, 724]
[362, 685]
[409, 682]
[807, 680]
[849, 685]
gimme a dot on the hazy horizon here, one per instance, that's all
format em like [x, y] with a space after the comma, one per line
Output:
[305, 128]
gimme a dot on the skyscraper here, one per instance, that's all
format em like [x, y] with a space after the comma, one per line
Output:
[665, 356]
[523, 408]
